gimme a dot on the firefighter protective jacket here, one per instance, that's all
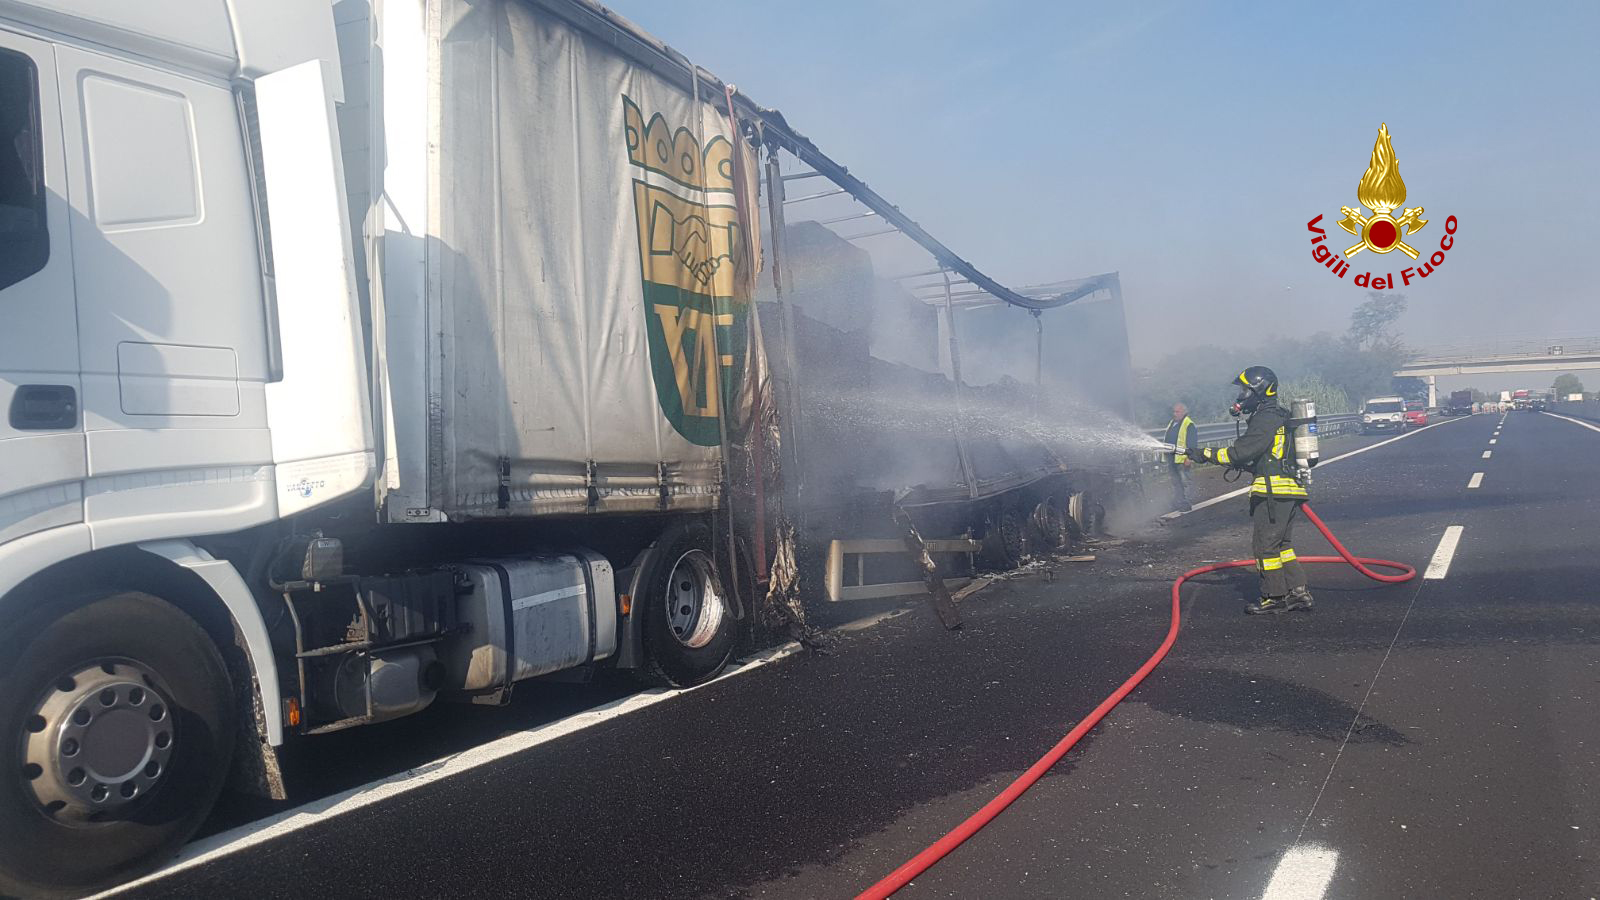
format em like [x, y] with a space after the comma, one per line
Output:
[1266, 450]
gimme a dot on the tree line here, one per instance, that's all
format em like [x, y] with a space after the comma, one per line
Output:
[1339, 371]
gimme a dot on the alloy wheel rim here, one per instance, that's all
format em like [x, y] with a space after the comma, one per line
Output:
[695, 606]
[100, 738]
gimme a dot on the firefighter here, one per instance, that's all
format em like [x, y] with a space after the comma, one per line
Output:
[1266, 450]
[1179, 435]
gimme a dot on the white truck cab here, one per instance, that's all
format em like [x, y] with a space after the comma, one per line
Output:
[153, 316]
[1383, 414]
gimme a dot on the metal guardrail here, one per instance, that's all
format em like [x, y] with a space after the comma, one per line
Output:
[1578, 409]
[1218, 434]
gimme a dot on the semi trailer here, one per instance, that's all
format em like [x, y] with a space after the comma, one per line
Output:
[357, 358]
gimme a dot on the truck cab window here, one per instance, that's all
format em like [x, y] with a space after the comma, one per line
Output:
[24, 239]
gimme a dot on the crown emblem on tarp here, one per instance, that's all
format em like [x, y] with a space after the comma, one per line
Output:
[656, 146]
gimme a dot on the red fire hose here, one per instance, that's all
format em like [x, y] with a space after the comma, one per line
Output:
[925, 860]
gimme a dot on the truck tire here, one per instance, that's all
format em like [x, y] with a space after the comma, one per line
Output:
[1005, 538]
[1047, 527]
[116, 728]
[689, 624]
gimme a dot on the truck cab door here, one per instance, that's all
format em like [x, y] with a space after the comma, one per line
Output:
[42, 457]
[171, 318]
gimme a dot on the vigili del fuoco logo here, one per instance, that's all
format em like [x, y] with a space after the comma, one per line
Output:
[1382, 191]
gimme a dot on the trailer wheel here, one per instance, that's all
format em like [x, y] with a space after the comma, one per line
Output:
[689, 626]
[1047, 527]
[1005, 538]
[116, 728]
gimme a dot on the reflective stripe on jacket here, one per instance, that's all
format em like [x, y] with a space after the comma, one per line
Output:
[1266, 449]
[1178, 433]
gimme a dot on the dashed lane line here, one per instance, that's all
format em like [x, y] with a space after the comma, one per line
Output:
[1439, 566]
[1477, 479]
[1487, 453]
[1304, 873]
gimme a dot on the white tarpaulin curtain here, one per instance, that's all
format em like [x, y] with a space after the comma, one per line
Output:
[590, 321]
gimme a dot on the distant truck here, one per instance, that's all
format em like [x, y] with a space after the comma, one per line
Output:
[1460, 404]
[1383, 414]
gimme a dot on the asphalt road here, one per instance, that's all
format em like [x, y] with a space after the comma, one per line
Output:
[1435, 738]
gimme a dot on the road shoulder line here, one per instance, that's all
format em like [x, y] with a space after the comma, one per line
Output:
[261, 831]
[1587, 425]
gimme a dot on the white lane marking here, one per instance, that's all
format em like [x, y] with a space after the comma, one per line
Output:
[1477, 479]
[1587, 425]
[1333, 459]
[1439, 566]
[246, 836]
[1304, 873]
[1487, 453]
[1493, 440]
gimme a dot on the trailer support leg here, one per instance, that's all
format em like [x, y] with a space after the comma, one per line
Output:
[938, 595]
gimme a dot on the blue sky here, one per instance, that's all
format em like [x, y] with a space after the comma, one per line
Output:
[1186, 144]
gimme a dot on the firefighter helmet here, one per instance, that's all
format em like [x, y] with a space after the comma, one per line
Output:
[1256, 384]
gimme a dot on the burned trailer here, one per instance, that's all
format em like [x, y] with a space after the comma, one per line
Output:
[876, 419]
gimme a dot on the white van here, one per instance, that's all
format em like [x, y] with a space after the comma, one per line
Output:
[1383, 414]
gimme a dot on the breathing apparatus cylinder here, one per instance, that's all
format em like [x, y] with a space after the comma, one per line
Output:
[1303, 416]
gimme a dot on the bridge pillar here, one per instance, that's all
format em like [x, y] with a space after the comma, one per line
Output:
[1433, 393]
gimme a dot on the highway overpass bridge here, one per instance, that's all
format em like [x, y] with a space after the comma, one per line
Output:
[1522, 356]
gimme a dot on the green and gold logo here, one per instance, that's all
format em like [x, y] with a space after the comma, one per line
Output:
[689, 251]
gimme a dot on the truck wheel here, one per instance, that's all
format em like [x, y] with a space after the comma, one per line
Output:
[1047, 527]
[1005, 539]
[689, 628]
[116, 727]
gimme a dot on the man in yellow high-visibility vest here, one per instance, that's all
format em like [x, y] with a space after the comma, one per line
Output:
[1180, 433]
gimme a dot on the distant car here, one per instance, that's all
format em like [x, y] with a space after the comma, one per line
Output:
[1383, 414]
[1537, 405]
[1416, 415]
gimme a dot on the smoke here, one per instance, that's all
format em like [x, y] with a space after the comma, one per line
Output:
[1067, 425]
[909, 435]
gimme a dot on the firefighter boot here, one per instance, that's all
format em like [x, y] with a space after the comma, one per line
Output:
[1298, 599]
[1267, 606]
